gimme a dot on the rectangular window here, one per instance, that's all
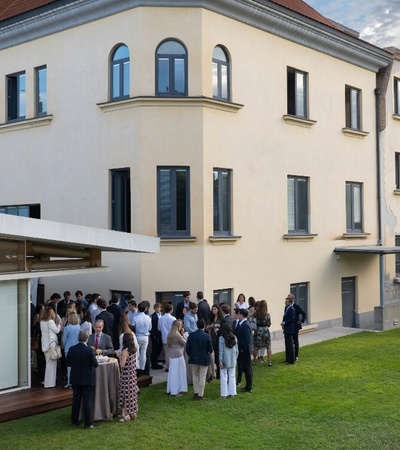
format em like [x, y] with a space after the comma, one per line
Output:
[397, 243]
[32, 211]
[222, 201]
[222, 296]
[171, 298]
[354, 207]
[397, 96]
[397, 168]
[16, 91]
[173, 204]
[297, 205]
[296, 93]
[121, 200]
[121, 295]
[41, 90]
[353, 108]
[300, 292]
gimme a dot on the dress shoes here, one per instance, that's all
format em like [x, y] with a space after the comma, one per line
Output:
[157, 367]
[245, 390]
[89, 427]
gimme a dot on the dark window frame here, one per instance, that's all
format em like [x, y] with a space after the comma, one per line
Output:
[222, 207]
[124, 79]
[352, 225]
[220, 64]
[294, 92]
[40, 104]
[172, 205]
[222, 296]
[171, 57]
[300, 205]
[397, 96]
[397, 263]
[121, 200]
[34, 210]
[301, 291]
[353, 111]
[397, 169]
[15, 87]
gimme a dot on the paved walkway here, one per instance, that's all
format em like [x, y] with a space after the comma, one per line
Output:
[278, 345]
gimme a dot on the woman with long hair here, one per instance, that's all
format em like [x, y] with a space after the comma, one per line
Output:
[37, 334]
[241, 302]
[70, 338]
[262, 336]
[228, 354]
[128, 388]
[216, 315]
[49, 329]
[176, 342]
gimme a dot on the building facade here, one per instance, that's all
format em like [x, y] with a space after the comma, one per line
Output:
[241, 133]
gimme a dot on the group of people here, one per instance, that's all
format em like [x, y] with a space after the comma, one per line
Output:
[200, 343]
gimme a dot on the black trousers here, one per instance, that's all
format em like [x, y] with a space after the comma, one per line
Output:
[244, 366]
[289, 348]
[84, 394]
[296, 343]
[156, 347]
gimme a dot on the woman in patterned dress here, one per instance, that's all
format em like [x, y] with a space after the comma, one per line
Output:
[128, 388]
[262, 336]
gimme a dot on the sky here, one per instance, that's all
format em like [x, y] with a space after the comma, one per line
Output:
[377, 21]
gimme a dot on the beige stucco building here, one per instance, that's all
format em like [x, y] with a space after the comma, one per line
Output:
[242, 133]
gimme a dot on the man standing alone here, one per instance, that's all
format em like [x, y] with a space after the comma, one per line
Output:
[299, 325]
[82, 361]
[289, 326]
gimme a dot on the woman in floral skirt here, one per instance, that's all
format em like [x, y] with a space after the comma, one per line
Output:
[128, 388]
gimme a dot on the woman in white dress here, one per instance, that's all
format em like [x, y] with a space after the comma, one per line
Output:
[49, 329]
[228, 353]
[176, 342]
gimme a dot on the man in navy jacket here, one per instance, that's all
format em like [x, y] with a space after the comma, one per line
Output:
[82, 361]
[244, 336]
[289, 327]
[199, 348]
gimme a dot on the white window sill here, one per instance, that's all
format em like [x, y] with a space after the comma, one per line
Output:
[203, 102]
[355, 133]
[396, 116]
[224, 240]
[356, 235]
[396, 192]
[299, 237]
[299, 121]
[24, 124]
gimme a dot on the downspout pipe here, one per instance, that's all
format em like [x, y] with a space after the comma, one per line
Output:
[378, 93]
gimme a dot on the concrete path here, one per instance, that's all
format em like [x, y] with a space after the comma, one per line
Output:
[278, 345]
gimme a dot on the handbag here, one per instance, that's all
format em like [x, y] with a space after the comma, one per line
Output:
[34, 344]
[54, 352]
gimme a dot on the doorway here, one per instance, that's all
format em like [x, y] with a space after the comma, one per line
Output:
[349, 302]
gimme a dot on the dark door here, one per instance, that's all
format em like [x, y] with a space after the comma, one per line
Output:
[349, 301]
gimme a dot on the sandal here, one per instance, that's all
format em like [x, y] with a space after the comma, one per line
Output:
[125, 419]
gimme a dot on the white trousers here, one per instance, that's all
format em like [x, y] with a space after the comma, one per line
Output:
[50, 374]
[143, 342]
[227, 381]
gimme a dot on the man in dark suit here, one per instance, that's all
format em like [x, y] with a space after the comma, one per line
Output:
[116, 311]
[245, 344]
[100, 342]
[226, 309]
[289, 326]
[199, 348]
[82, 361]
[299, 325]
[105, 316]
[155, 337]
[203, 308]
[183, 304]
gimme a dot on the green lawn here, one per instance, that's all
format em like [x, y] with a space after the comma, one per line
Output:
[344, 394]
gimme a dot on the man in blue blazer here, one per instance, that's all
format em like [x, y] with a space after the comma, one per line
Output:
[199, 348]
[82, 361]
[244, 336]
[289, 327]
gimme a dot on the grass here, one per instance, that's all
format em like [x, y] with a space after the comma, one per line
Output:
[344, 394]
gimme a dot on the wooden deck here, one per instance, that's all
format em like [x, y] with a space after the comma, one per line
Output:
[37, 400]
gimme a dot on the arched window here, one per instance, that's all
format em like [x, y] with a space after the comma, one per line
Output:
[171, 69]
[220, 74]
[120, 73]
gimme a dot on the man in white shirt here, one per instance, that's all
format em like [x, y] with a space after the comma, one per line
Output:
[164, 325]
[93, 308]
[142, 324]
[132, 305]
